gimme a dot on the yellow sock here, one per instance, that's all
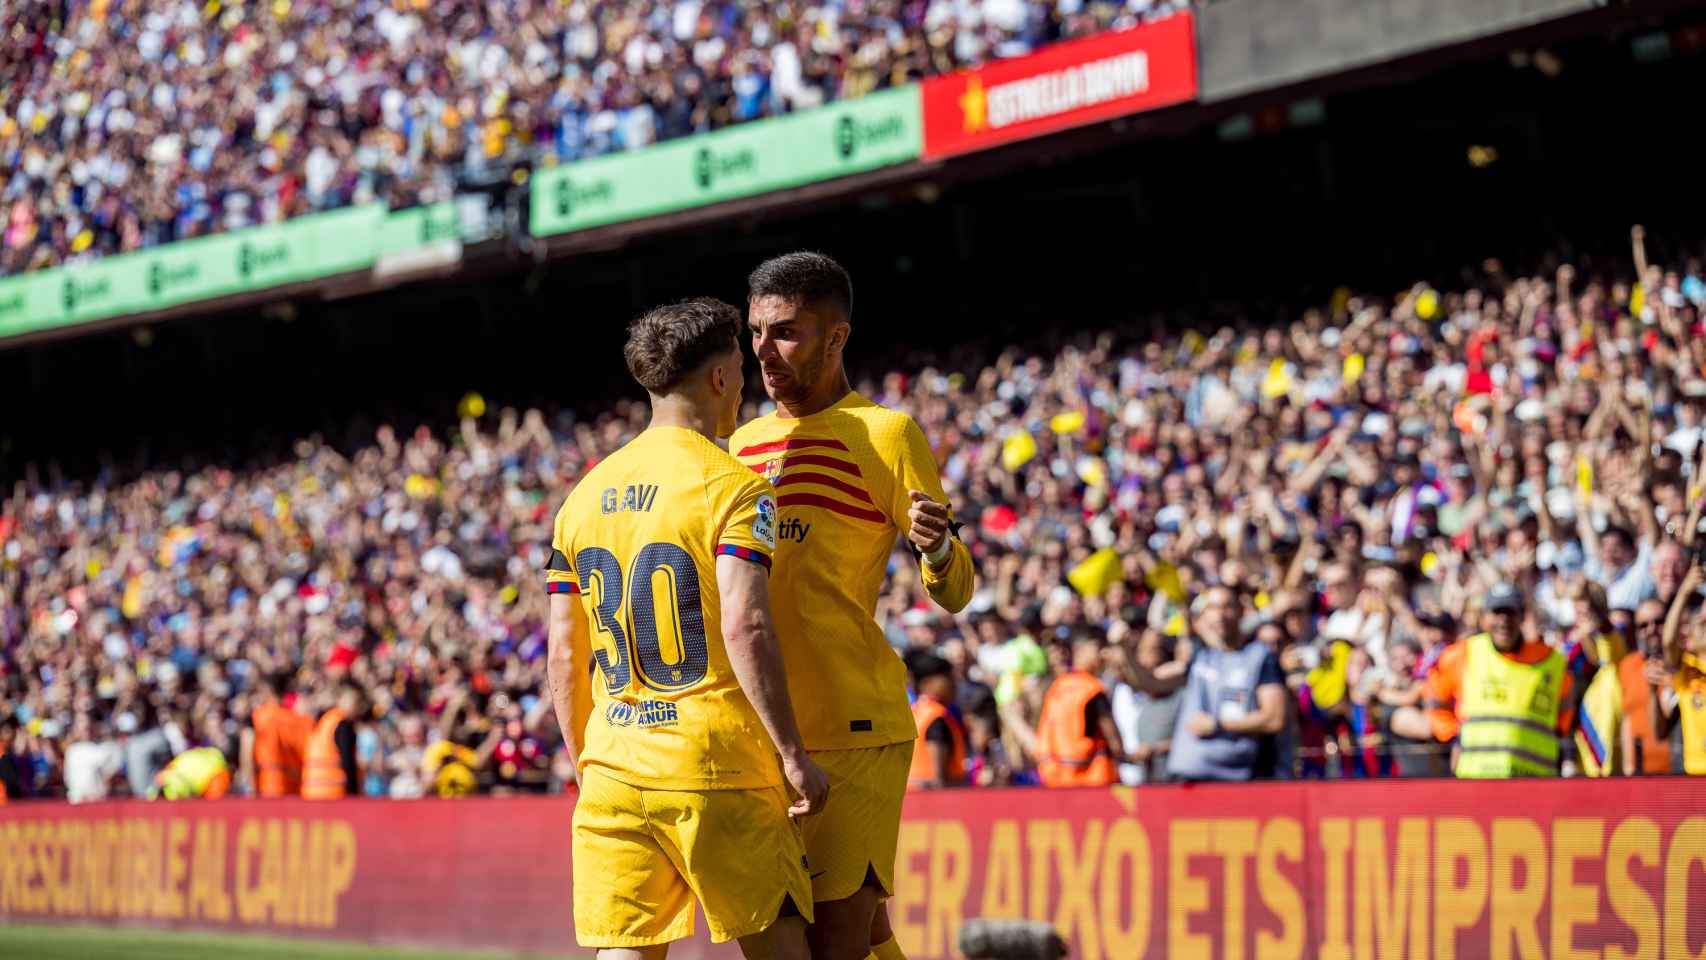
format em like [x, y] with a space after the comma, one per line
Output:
[888, 950]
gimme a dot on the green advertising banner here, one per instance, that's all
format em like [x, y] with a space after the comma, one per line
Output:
[26, 297]
[303, 249]
[832, 141]
[306, 248]
[419, 226]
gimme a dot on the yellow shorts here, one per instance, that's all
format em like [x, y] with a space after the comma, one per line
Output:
[858, 829]
[642, 856]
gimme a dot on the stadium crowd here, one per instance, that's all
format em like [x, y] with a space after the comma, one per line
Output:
[1349, 494]
[130, 123]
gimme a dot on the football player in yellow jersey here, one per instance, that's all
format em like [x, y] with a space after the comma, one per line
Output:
[659, 574]
[850, 476]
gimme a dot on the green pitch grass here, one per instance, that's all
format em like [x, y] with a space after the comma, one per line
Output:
[95, 943]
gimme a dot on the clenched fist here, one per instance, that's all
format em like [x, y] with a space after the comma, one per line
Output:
[929, 523]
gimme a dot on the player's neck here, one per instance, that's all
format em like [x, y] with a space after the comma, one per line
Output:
[830, 394]
[673, 411]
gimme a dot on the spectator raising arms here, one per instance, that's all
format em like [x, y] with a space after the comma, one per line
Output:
[1184, 522]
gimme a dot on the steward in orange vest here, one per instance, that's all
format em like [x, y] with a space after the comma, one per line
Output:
[329, 771]
[939, 758]
[275, 745]
[1077, 742]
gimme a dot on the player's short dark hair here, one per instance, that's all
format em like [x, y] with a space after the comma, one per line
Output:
[805, 277]
[672, 341]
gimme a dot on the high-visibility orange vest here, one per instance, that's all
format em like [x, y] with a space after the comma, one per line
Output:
[925, 712]
[323, 769]
[281, 744]
[1072, 756]
[1653, 751]
[1441, 710]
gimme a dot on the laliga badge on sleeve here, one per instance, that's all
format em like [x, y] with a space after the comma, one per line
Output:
[764, 528]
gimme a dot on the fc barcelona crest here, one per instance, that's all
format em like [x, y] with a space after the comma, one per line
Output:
[773, 470]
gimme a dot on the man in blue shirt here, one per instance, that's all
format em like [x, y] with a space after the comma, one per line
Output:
[1234, 700]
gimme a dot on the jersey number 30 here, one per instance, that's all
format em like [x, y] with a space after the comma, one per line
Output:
[658, 564]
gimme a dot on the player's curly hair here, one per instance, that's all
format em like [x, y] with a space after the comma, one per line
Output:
[672, 341]
[806, 277]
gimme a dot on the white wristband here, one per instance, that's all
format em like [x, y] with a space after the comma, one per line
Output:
[939, 556]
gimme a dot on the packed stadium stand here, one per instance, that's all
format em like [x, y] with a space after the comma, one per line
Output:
[128, 124]
[1405, 452]
[1362, 465]
[1319, 387]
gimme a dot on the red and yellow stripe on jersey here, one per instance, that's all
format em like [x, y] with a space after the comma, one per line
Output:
[638, 540]
[843, 479]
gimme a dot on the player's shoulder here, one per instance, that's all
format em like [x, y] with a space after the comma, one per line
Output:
[725, 476]
[885, 426]
[589, 480]
[586, 495]
[756, 430]
[683, 461]
[693, 457]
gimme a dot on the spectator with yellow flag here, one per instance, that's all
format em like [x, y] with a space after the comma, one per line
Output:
[1599, 722]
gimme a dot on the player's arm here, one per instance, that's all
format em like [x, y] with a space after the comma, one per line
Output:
[566, 634]
[568, 649]
[749, 636]
[921, 509]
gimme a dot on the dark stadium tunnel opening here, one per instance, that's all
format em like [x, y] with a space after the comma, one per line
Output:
[1380, 188]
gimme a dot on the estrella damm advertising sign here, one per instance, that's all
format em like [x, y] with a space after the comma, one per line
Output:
[1064, 85]
[832, 141]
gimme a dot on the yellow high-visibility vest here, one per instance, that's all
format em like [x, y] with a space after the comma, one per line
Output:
[1510, 714]
[190, 772]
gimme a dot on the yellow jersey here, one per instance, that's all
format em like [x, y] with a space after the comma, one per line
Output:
[1690, 682]
[843, 478]
[638, 540]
